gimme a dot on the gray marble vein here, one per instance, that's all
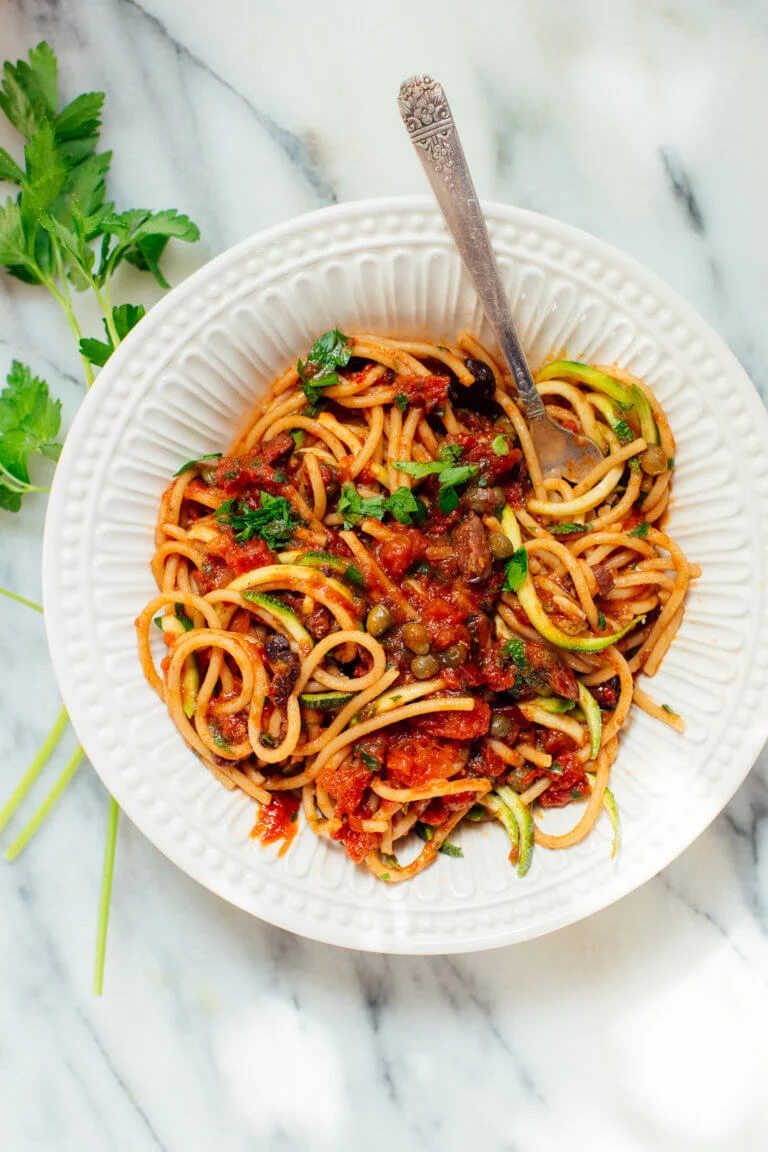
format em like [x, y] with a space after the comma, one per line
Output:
[642, 1029]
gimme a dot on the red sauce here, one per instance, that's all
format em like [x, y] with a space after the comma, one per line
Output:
[278, 820]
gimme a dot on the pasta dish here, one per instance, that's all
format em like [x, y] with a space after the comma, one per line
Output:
[377, 614]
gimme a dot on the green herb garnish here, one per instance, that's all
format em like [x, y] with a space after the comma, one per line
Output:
[354, 507]
[273, 522]
[405, 507]
[401, 401]
[600, 620]
[641, 530]
[569, 529]
[424, 831]
[330, 351]
[517, 570]
[200, 460]
[450, 849]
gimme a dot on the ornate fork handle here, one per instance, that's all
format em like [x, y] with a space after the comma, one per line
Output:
[429, 122]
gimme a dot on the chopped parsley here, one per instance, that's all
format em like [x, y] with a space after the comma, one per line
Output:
[405, 507]
[298, 435]
[640, 530]
[354, 507]
[671, 711]
[370, 762]
[600, 620]
[514, 652]
[517, 570]
[448, 849]
[624, 432]
[200, 460]
[424, 831]
[569, 529]
[671, 464]
[330, 351]
[273, 522]
[401, 401]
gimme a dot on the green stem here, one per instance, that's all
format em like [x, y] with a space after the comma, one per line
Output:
[65, 301]
[20, 599]
[105, 896]
[29, 830]
[105, 305]
[30, 776]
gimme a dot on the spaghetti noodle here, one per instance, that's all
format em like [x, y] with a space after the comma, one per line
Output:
[375, 605]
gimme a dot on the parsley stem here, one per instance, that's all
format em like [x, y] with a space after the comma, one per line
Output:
[29, 830]
[30, 776]
[64, 299]
[105, 305]
[20, 599]
[105, 896]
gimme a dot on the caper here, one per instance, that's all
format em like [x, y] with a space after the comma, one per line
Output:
[456, 655]
[379, 620]
[208, 476]
[519, 778]
[500, 545]
[416, 637]
[424, 667]
[500, 725]
[654, 460]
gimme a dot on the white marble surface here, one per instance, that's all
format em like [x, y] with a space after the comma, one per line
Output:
[643, 1029]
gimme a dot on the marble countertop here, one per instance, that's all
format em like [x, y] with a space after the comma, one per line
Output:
[642, 1029]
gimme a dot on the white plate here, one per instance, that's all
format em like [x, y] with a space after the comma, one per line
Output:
[185, 379]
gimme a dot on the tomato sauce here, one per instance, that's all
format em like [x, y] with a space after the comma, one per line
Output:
[278, 820]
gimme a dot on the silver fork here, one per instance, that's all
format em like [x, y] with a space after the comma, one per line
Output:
[428, 119]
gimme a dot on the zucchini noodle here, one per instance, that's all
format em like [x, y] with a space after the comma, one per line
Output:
[375, 610]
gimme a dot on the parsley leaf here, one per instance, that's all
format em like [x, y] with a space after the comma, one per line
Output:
[29, 423]
[425, 832]
[124, 317]
[401, 401]
[446, 467]
[273, 522]
[405, 507]
[640, 530]
[568, 529]
[671, 464]
[330, 351]
[671, 711]
[500, 445]
[353, 507]
[193, 463]
[600, 620]
[517, 570]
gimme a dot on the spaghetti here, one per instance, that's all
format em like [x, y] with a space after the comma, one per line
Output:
[377, 608]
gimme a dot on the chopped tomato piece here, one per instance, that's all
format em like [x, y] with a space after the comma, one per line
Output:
[346, 785]
[357, 844]
[457, 725]
[414, 760]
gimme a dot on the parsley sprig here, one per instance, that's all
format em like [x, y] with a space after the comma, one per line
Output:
[60, 230]
[402, 504]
